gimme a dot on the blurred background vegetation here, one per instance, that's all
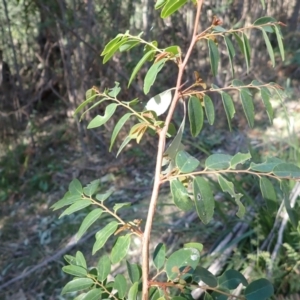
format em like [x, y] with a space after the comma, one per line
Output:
[51, 57]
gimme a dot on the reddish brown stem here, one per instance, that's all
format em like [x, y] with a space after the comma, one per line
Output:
[160, 151]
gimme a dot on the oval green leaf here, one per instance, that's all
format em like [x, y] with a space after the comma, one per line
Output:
[218, 161]
[80, 260]
[100, 120]
[195, 113]
[78, 205]
[120, 249]
[171, 7]
[88, 221]
[159, 256]
[103, 235]
[229, 107]
[134, 272]
[151, 75]
[133, 291]
[209, 109]
[180, 196]
[182, 263]
[247, 103]
[204, 199]
[139, 65]
[231, 279]
[120, 285]
[77, 284]
[214, 56]
[185, 162]
[239, 158]
[202, 274]
[260, 289]
[94, 294]
[103, 267]
[75, 271]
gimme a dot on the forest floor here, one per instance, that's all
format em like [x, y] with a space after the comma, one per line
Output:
[36, 172]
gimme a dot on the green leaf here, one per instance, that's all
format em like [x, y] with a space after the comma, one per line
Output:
[195, 113]
[265, 96]
[124, 144]
[218, 296]
[88, 221]
[129, 45]
[75, 271]
[103, 235]
[160, 103]
[180, 196]
[218, 161]
[133, 291]
[151, 75]
[204, 199]
[268, 192]
[100, 120]
[207, 296]
[219, 29]
[246, 50]
[120, 205]
[239, 158]
[114, 49]
[214, 56]
[263, 3]
[103, 267]
[229, 107]
[279, 41]
[239, 42]
[175, 145]
[134, 272]
[171, 7]
[209, 109]
[264, 20]
[91, 188]
[185, 162]
[103, 197]
[248, 106]
[197, 246]
[159, 256]
[175, 50]
[228, 187]
[259, 290]
[286, 170]
[267, 189]
[231, 52]
[120, 249]
[182, 260]
[80, 260]
[159, 4]
[94, 294]
[269, 48]
[93, 106]
[202, 274]
[117, 129]
[267, 166]
[75, 187]
[139, 65]
[77, 284]
[111, 44]
[231, 279]
[68, 199]
[90, 96]
[120, 285]
[114, 92]
[70, 259]
[78, 205]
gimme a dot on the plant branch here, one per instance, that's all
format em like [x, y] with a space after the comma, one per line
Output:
[160, 151]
